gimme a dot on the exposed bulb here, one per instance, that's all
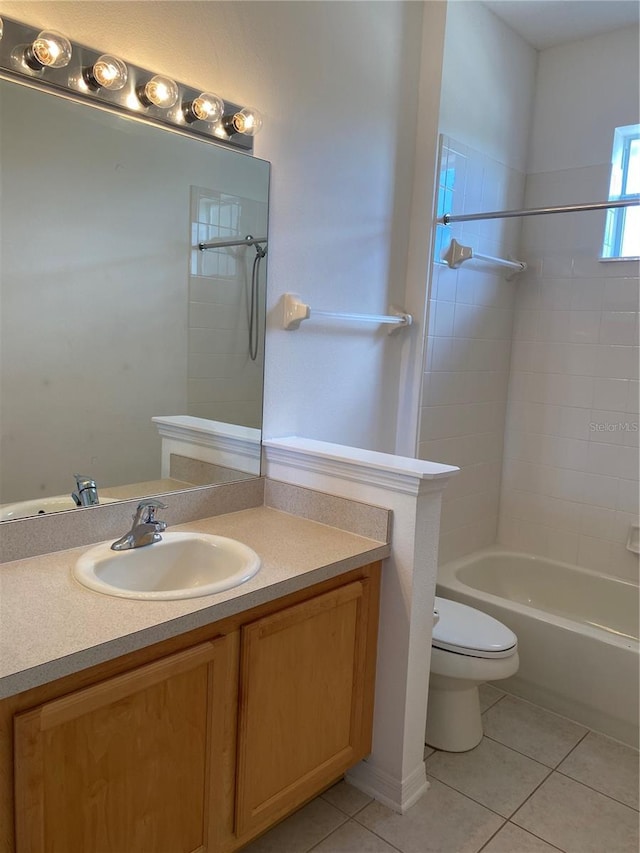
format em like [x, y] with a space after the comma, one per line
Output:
[108, 72]
[247, 121]
[206, 107]
[50, 50]
[159, 91]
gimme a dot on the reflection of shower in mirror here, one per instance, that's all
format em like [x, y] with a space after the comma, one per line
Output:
[260, 245]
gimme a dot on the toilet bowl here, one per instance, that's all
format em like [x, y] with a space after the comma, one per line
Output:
[468, 648]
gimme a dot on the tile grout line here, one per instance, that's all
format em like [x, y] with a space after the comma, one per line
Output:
[546, 778]
[352, 819]
[493, 704]
[573, 748]
[539, 837]
[596, 790]
[484, 805]
[489, 840]
[566, 775]
[537, 760]
[348, 814]
[335, 829]
[377, 835]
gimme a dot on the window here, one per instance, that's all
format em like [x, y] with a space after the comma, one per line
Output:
[622, 228]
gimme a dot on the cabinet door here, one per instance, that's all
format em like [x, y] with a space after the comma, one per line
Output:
[305, 702]
[125, 765]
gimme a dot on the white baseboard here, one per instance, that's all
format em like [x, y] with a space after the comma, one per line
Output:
[396, 794]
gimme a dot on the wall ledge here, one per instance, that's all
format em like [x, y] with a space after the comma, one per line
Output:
[385, 470]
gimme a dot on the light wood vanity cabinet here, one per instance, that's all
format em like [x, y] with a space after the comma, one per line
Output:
[202, 742]
[125, 765]
[302, 717]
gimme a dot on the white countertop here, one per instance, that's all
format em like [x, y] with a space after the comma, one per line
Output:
[51, 625]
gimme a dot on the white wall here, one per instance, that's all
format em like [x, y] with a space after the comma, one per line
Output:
[486, 101]
[337, 83]
[570, 487]
[584, 89]
[487, 84]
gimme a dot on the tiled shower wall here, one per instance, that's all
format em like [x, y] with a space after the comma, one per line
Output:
[570, 486]
[467, 369]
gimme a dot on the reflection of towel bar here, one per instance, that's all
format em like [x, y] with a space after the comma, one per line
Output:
[457, 254]
[296, 311]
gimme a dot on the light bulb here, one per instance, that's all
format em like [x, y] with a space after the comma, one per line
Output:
[50, 50]
[246, 121]
[107, 72]
[159, 91]
[206, 107]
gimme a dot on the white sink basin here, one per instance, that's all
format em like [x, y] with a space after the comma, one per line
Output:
[182, 565]
[42, 506]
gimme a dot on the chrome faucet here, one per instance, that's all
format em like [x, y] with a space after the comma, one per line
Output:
[145, 530]
[87, 491]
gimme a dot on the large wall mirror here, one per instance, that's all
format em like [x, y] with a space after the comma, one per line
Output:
[110, 315]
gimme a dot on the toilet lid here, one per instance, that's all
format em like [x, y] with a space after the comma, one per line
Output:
[467, 631]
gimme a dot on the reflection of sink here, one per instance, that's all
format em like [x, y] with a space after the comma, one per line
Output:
[182, 565]
[42, 506]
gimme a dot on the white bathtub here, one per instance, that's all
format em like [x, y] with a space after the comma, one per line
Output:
[577, 633]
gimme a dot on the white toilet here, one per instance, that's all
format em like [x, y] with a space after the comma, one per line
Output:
[468, 648]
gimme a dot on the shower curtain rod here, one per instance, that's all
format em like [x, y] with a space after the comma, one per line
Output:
[538, 211]
[219, 244]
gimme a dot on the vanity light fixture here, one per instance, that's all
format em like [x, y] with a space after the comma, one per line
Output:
[159, 91]
[47, 60]
[107, 72]
[247, 121]
[206, 107]
[48, 50]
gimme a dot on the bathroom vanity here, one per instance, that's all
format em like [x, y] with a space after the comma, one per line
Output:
[254, 701]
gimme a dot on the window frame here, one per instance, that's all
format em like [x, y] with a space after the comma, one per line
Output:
[616, 217]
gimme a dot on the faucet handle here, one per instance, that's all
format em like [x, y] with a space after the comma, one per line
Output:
[146, 511]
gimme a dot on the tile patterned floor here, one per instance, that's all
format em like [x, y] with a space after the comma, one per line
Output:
[537, 783]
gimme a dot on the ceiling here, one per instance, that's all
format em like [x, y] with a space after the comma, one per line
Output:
[544, 23]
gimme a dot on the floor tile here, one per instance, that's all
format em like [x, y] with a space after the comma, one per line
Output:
[443, 821]
[353, 838]
[605, 765]
[512, 839]
[577, 819]
[489, 695]
[541, 735]
[428, 750]
[301, 831]
[491, 774]
[346, 798]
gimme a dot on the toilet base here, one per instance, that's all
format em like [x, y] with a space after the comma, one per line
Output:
[454, 723]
